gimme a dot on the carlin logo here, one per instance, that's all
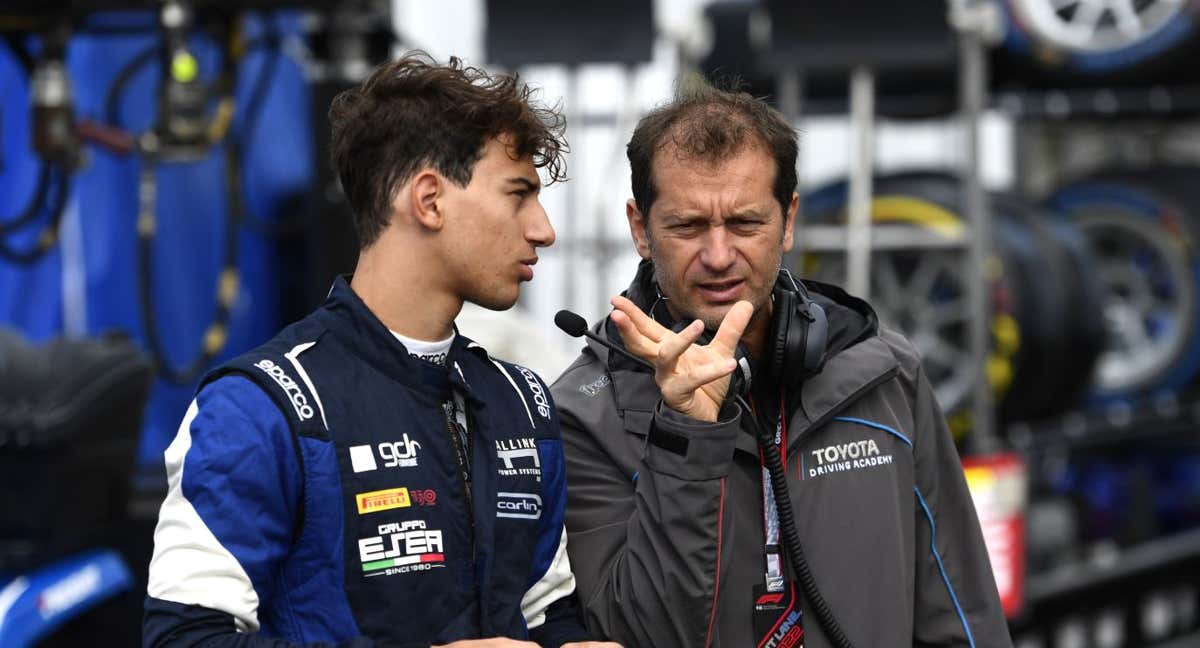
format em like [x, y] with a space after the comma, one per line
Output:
[525, 506]
[382, 500]
[303, 409]
[847, 456]
[402, 453]
[519, 457]
[400, 548]
[539, 395]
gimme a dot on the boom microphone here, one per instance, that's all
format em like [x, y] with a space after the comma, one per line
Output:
[574, 325]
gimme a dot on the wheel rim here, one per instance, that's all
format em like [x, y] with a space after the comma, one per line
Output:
[1096, 26]
[920, 295]
[1148, 301]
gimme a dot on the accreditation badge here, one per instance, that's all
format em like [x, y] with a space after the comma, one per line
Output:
[777, 617]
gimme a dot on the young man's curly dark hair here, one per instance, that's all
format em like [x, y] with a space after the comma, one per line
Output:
[413, 112]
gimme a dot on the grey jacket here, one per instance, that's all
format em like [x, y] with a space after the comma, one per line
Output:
[667, 547]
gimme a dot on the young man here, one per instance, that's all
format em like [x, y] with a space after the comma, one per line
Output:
[368, 477]
[674, 529]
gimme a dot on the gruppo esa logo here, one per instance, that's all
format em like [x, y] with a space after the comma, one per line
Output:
[847, 456]
[518, 457]
[303, 409]
[400, 548]
[402, 453]
[539, 395]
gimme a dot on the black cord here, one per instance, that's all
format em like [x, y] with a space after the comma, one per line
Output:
[270, 44]
[34, 207]
[112, 98]
[791, 537]
[49, 234]
[217, 333]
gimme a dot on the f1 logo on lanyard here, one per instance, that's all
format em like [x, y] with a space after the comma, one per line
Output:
[776, 614]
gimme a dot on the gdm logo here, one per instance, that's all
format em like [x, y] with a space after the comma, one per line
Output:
[539, 396]
[526, 506]
[402, 453]
[303, 409]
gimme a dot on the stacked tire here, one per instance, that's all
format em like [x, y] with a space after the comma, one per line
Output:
[1063, 43]
[1143, 228]
[1042, 353]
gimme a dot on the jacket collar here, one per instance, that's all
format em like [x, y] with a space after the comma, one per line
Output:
[360, 331]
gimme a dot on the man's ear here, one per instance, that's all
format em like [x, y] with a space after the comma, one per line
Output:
[423, 194]
[789, 223]
[637, 228]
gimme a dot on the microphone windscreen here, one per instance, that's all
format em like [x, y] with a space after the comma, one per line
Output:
[572, 324]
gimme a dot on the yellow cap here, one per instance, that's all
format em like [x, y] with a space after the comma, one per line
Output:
[184, 67]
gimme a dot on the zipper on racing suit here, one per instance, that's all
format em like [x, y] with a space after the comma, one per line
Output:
[462, 451]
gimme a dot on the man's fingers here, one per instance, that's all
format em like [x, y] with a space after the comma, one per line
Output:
[635, 343]
[733, 326]
[644, 323]
[701, 375]
[674, 344]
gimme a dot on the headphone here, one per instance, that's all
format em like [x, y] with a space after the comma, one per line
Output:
[796, 340]
[798, 335]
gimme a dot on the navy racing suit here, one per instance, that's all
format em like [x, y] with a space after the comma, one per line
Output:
[320, 492]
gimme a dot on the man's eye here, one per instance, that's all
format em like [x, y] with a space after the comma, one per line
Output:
[743, 225]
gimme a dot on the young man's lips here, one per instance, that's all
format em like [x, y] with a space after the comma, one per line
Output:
[527, 270]
[721, 291]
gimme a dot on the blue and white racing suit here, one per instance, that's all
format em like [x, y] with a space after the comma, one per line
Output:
[320, 492]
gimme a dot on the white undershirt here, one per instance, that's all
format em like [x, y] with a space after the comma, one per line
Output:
[435, 353]
[431, 352]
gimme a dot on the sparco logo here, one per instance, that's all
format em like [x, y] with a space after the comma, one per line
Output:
[539, 396]
[847, 456]
[303, 409]
[525, 506]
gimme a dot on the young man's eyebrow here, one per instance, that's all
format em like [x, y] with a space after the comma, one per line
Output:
[526, 183]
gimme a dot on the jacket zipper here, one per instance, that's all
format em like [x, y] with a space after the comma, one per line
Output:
[464, 467]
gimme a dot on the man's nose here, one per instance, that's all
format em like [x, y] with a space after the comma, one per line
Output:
[718, 253]
[539, 231]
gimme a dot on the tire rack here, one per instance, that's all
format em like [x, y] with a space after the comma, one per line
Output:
[858, 238]
[1080, 602]
[1070, 606]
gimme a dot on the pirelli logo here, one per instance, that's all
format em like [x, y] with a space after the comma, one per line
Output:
[382, 500]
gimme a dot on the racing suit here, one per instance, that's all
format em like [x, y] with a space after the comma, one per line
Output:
[666, 513]
[322, 490]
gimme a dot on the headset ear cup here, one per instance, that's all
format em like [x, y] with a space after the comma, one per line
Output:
[785, 328]
[816, 339]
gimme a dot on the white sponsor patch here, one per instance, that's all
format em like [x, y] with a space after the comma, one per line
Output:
[393, 454]
[362, 459]
[527, 506]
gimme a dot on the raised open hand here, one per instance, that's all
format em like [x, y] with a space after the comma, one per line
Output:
[692, 378]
